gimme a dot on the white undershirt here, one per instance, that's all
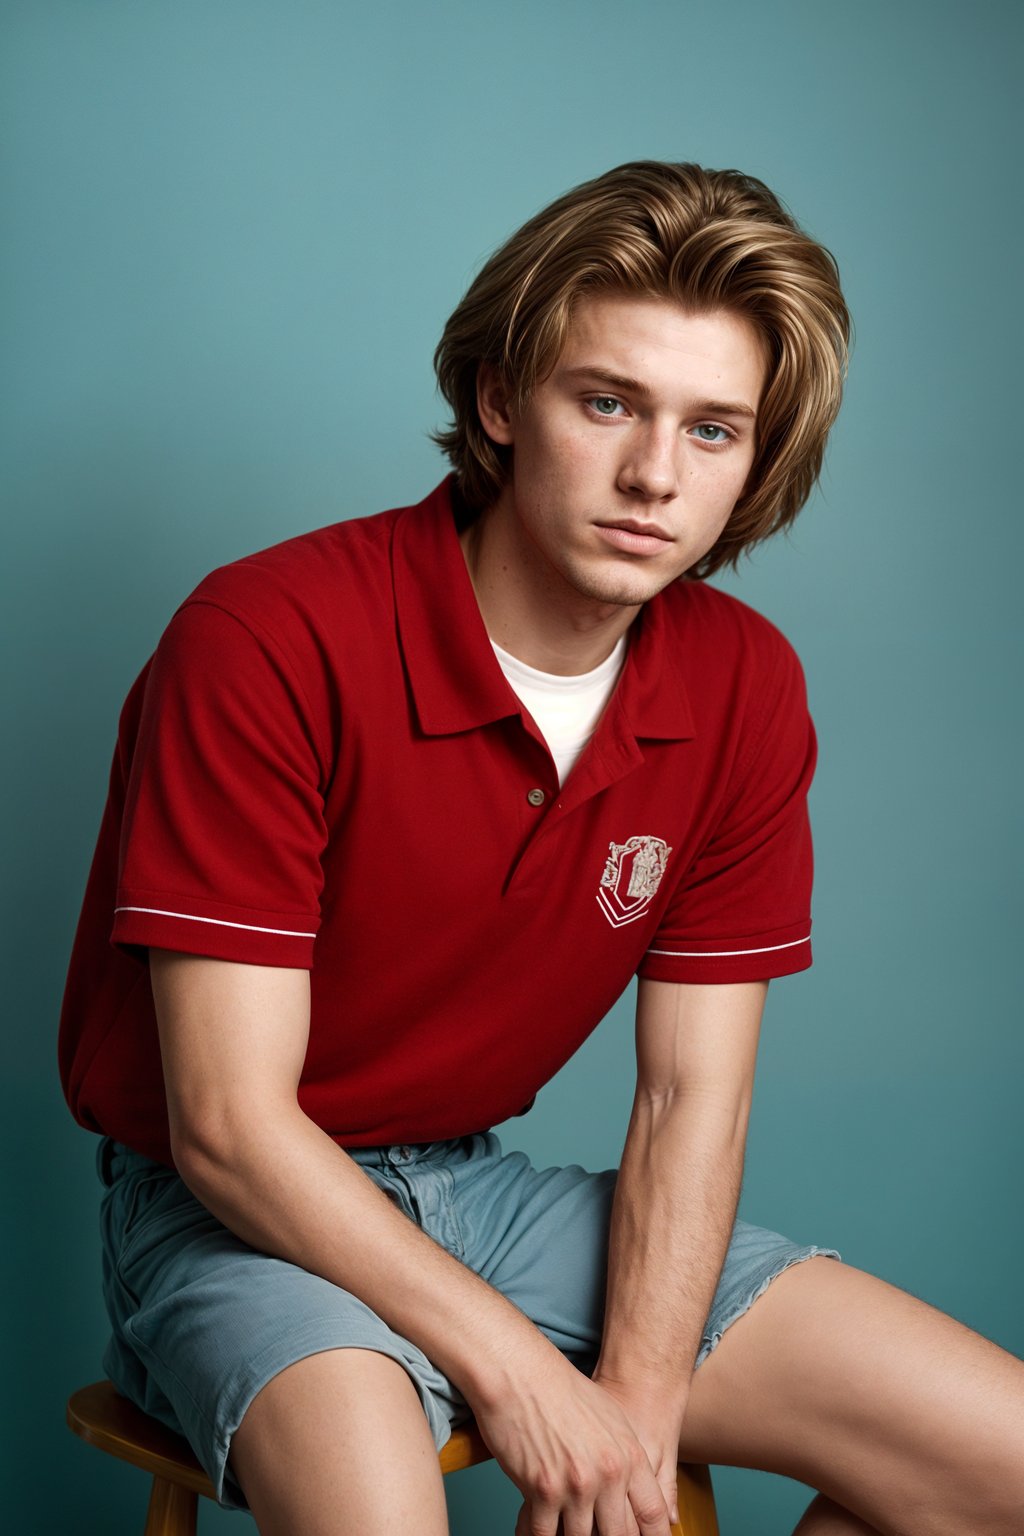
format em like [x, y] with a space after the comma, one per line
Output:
[565, 709]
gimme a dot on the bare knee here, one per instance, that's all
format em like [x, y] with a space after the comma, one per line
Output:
[339, 1383]
[338, 1443]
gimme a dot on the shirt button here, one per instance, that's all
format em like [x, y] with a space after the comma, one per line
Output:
[404, 1154]
[535, 796]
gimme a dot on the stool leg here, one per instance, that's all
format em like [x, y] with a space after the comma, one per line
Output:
[696, 1503]
[172, 1510]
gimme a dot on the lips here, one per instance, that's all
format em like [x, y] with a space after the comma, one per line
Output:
[633, 537]
[645, 530]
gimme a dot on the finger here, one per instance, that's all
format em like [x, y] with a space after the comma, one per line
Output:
[579, 1521]
[536, 1520]
[612, 1514]
[670, 1493]
[648, 1505]
[527, 1522]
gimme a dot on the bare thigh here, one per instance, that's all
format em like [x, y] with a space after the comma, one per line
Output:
[896, 1411]
[337, 1445]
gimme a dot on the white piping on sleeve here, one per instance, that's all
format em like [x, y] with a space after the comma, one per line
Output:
[189, 917]
[720, 954]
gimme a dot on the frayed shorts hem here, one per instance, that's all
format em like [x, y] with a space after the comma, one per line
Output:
[202, 1323]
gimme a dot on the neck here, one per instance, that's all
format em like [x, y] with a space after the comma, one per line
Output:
[530, 610]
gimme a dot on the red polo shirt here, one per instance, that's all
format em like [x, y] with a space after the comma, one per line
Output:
[323, 766]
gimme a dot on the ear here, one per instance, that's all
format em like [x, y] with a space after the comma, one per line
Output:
[493, 406]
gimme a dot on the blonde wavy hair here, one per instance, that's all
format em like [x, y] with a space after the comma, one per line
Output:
[705, 239]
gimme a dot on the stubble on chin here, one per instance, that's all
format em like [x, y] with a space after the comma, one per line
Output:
[620, 588]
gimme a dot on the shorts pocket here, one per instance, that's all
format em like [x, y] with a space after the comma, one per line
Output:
[163, 1206]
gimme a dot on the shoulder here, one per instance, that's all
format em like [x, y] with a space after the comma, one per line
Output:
[276, 627]
[727, 634]
[747, 691]
[742, 677]
[306, 582]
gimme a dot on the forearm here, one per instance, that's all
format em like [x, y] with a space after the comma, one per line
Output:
[672, 1217]
[287, 1189]
[292, 1192]
[233, 1040]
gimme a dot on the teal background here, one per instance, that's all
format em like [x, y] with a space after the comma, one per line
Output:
[232, 233]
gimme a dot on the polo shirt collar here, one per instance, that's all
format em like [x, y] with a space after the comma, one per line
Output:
[455, 678]
[652, 689]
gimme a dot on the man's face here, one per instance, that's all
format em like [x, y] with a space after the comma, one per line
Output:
[628, 459]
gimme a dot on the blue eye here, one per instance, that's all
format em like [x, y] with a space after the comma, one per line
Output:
[707, 432]
[604, 405]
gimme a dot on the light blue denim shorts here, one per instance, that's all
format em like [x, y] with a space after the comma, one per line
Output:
[201, 1322]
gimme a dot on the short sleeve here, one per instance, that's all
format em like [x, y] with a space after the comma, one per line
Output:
[742, 911]
[223, 823]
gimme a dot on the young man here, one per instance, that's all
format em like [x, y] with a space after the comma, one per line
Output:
[397, 810]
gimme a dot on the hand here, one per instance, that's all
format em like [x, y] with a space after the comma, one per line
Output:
[571, 1451]
[658, 1427]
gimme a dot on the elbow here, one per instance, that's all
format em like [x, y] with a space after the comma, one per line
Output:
[201, 1146]
[213, 1146]
[706, 1108]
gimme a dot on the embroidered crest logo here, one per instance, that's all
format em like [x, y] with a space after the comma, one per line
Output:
[631, 877]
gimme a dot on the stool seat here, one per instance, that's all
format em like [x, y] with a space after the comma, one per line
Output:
[102, 1417]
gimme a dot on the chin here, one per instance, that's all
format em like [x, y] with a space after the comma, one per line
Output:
[622, 589]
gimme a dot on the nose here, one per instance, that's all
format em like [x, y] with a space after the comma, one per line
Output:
[650, 468]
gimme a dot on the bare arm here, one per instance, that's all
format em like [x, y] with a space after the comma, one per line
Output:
[233, 1039]
[676, 1197]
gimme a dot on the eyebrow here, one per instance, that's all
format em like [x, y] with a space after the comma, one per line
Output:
[637, 387]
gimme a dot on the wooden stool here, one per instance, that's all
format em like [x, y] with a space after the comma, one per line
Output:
[110, 1422]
